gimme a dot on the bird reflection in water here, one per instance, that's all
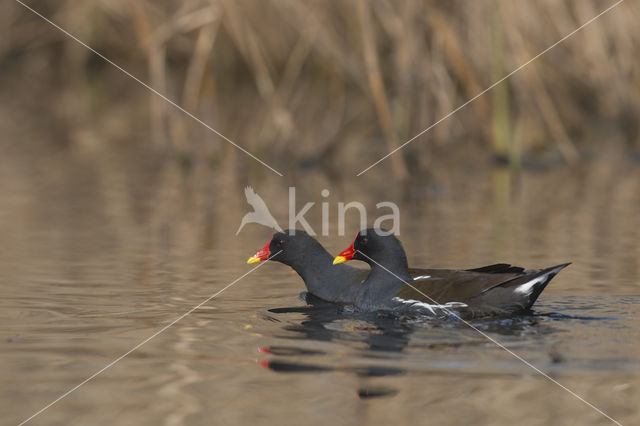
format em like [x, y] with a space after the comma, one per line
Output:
[377, 336]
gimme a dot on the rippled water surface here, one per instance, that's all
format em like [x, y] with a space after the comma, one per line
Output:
[95, 258]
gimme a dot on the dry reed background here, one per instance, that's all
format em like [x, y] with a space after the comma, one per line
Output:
[101, 181]
[328, 84]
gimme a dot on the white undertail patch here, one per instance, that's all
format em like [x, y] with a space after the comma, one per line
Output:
[528, 287]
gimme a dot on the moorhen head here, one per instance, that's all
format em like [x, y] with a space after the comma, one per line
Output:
[303, 253]
[380, 249]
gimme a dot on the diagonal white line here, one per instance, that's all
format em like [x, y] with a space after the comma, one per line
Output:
[492, 86]
[500, 345]
[151, 89]
[64, 395]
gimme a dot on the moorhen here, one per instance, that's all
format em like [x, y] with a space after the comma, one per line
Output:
[300, 251]
[499, 289]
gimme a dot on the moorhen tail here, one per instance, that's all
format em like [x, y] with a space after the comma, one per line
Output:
[499, 289]
[313, 263]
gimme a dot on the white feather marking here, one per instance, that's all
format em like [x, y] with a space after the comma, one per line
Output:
[431, 308]
[527, 287]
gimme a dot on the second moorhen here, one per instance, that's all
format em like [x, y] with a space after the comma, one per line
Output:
[492, 290]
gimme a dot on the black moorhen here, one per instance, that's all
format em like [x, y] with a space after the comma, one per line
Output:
[499, 289]
[313, 263]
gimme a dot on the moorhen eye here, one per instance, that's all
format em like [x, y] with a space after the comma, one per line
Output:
[364, 240]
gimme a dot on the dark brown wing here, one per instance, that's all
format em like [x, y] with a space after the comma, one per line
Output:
[498, 268]
[509, 290]
[448, 285]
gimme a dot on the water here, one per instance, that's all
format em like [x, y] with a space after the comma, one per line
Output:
[98, 253]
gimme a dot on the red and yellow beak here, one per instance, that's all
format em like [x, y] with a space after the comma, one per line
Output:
[345, 255]
[262, 254]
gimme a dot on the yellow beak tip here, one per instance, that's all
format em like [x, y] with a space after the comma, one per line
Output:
[253, 259]
[339, 259]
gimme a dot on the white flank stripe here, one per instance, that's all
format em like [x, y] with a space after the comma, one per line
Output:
[430, 307]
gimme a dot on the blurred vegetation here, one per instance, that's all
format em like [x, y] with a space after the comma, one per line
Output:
[327, 84]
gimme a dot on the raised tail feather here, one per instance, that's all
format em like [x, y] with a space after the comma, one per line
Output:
[498, 268]
[522, 291]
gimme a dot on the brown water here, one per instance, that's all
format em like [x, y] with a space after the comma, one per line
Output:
[99, 252]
